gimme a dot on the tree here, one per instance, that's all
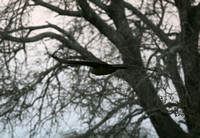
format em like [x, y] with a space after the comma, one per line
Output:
[143, 34]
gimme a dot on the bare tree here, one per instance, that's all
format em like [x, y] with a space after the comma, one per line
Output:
[160, 37]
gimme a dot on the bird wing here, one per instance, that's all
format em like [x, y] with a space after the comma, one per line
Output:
[93, 64]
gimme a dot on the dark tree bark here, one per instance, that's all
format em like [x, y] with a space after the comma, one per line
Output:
[190, 21]
[129, 47]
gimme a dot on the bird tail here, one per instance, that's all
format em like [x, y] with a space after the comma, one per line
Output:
[140, 68]
[132, 67]
[120, 66]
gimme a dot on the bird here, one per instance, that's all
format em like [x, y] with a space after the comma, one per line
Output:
[96, 67]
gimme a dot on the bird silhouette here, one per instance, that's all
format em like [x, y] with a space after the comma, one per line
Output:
[97, 68]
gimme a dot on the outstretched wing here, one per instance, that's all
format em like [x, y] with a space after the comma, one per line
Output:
[93, 64]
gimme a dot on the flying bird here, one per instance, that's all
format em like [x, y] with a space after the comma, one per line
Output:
[97, 68]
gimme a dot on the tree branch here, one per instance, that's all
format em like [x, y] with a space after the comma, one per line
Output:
[69, 44]
[107, 117]
[99, 23]
[100, 4]
[57, 9]
[163, 37]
